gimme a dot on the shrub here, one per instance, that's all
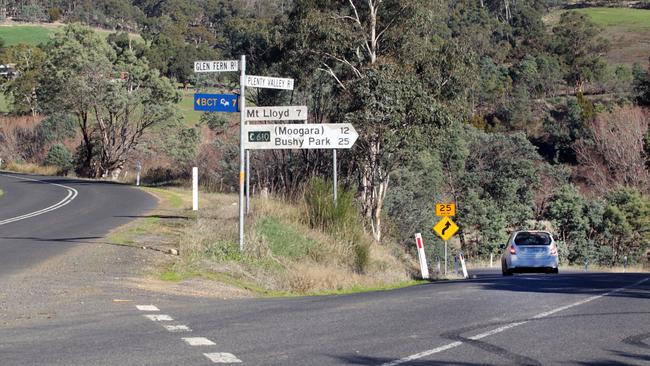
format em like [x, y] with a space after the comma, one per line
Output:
[340, 219]
[60, 157]
[54, 14]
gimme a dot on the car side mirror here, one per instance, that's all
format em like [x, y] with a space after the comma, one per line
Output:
[502, 246]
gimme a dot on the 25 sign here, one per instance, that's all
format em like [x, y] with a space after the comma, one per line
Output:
[445, 209]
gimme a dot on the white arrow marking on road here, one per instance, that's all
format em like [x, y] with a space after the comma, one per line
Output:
[72, 194]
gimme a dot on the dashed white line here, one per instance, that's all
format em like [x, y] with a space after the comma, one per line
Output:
[507, 326]
[147, 308]
[221, 357]
[177, 328]
[159, 317]
[198, 341]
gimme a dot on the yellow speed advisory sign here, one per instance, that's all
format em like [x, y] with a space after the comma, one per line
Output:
[445, 228]
[445, 209]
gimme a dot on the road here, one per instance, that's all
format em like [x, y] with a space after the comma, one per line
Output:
[574, 318]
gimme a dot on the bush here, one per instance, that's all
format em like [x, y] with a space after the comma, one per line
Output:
[342, 220]
[60, 157]
[54, 14]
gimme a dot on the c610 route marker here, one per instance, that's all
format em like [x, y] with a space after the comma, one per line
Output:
[300, 136]
[288, 113]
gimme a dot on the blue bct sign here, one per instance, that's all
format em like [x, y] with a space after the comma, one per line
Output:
[216, 102]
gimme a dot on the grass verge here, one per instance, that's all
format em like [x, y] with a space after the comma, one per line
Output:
[30, 169]
[283, 255]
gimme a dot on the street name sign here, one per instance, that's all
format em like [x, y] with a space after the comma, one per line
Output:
[445, 209]
[216, 66]
[300, 136]
[269, 82]
[216, 102]
[445, 228]
[289, 113]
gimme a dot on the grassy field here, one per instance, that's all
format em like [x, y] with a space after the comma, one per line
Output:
[628, 31]
[28, 34]
[630, 19]
[186, 107]
[33, 34]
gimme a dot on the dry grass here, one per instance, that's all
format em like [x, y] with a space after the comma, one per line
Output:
[282, 254]
[30, 169]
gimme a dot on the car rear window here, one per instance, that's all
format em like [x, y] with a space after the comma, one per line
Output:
[525, 238]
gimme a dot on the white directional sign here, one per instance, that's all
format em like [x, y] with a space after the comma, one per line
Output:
[288, 113]
[300, 136]
[269, 82]
[216, 66]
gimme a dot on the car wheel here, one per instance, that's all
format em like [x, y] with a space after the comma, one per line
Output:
[505, 271]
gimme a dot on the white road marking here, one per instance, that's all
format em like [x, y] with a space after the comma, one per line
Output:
[147, 308]
[177, 328]
[72, 194]
[222, 357]
[159, 318]
[199, 341]
[508, 326]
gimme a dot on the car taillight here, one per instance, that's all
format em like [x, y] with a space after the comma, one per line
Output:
[513, 250]
[553, 249]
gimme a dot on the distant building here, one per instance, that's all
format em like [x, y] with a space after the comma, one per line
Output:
[8, 71]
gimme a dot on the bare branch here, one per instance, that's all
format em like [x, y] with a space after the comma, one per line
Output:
[331, 72]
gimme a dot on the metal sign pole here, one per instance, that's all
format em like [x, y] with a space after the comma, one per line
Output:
[242, 152]
[248, 181]
[335, 175]
[445, 257]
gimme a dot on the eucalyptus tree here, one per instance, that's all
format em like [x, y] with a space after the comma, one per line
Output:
[115, 98]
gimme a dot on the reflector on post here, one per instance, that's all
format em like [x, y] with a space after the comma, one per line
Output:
[423, 259]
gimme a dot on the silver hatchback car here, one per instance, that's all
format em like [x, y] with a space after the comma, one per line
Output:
[529, 251]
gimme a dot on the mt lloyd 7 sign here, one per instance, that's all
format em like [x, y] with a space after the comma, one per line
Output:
[300, 136]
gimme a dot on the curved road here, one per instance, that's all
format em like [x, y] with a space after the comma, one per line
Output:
[573, 318]
[41, 217]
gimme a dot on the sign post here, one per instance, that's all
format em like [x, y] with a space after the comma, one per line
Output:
[195, 189]
[446, 228]
[242, 151]
[138, 169]
[423, 259]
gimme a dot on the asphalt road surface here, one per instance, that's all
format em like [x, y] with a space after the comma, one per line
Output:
[572, 318]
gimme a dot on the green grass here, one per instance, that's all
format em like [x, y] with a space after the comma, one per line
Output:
[36, 34]
[1, 193]
[283, 240]
[28, 34]
[631, 19]
[186, 107]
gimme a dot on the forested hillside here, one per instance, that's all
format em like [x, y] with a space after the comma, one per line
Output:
[508, 108]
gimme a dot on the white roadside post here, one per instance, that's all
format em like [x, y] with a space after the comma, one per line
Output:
[195, 189]
[423, 259]
[138, 169]
[242, 151]
[491, 258]
[462, 264]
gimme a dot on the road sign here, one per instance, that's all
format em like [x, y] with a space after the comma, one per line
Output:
[289, 113]
[445, 209]
[269, 82]
[216, 66]
[216, 102]
[300, 136]
[445, 228]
